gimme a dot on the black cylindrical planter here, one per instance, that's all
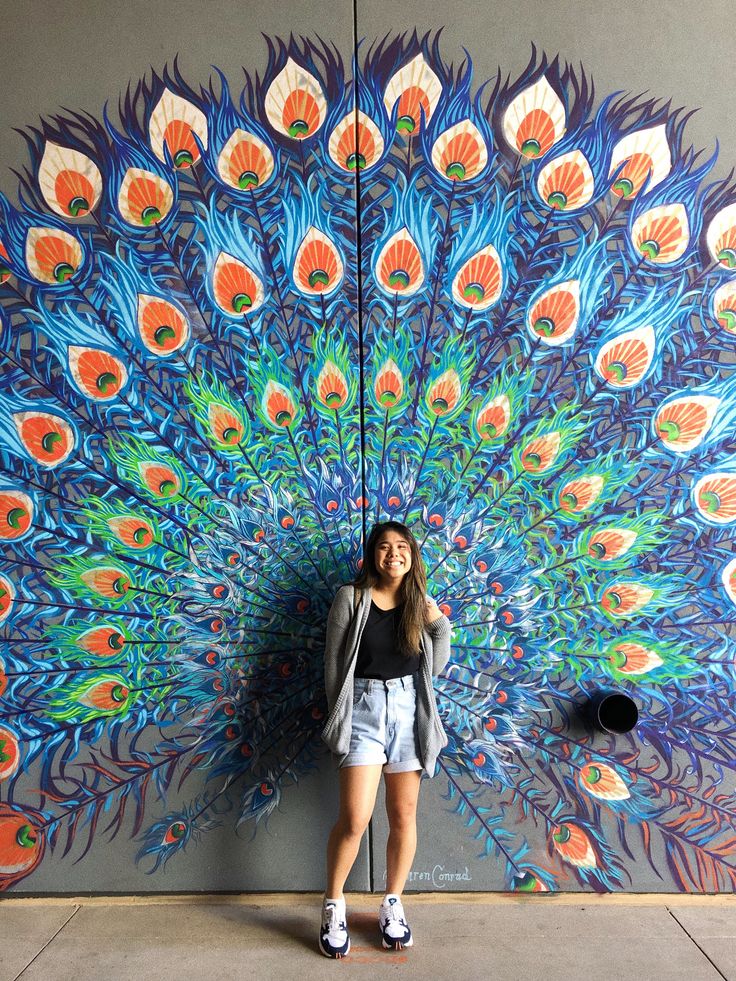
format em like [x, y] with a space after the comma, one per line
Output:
[613, 711]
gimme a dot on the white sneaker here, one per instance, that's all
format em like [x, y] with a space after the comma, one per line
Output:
[395, 932]
[334, 939]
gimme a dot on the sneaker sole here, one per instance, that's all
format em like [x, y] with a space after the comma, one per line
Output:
[396, 944]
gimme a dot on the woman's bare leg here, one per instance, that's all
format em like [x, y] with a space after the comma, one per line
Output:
[358, 787]
[402, 794]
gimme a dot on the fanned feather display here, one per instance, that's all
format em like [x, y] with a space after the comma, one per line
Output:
[236, 330]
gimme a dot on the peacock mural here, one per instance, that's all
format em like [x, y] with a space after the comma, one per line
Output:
[239, 327]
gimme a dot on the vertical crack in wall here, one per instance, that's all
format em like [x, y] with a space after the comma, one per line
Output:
[361, 349]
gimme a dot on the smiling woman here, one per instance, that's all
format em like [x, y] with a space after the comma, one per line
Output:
[379, 663]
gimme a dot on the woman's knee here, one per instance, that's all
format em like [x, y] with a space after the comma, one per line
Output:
[402, 816]
[352, 824]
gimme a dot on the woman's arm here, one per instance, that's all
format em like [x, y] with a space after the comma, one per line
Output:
[338, 621]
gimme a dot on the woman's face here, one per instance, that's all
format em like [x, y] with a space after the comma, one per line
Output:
[392, 556]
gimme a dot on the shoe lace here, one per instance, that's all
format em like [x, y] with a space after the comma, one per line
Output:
[332, 919]
[395, 912]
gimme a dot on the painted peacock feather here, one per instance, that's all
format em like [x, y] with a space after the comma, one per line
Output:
[234, 333]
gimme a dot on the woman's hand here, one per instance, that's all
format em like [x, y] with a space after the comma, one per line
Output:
[433, 611]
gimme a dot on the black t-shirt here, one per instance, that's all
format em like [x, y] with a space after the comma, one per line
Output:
[379, 655]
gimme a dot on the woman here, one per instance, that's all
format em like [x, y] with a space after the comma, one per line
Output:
[385, 640]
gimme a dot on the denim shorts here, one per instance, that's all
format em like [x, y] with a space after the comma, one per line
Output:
[384, 724]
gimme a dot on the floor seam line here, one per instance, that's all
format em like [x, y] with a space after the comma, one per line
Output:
[48, 942]
[690, 936]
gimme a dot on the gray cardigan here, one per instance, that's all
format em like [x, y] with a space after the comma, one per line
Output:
[341, 652]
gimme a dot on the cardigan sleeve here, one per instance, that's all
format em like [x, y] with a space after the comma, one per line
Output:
[338, 621]
[440, 631]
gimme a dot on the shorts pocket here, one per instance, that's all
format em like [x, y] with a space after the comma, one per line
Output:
[358, 693]
[410, 697]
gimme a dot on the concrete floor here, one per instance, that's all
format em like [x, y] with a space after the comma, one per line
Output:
[461, 937]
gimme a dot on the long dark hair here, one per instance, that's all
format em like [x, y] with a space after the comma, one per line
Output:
[413, 589]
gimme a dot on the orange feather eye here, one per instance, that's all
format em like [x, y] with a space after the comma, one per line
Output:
[5, 272]
[245, 161]
[413, 102]
[399, 265]
[625, 598]
[645, 155]
[728, 578]
[721, 237]
[574, 846]
[724, 306]
[102, 641]
[444, 393]
[179, 138]
[479, 282]
[602, 781]
[175, 832]
[98, 374]
[144, 198]
[225, 426]
[74, 192]
[106, 696]
[460, 152]
[174, 123]
[662, 234]
[715, 497]
[578, 495]
[107, 580]
[415, 91]
[318, 268]
[536, 133]
[683, 422]
[632, 175]
[21, 843]
[389, 385]
[526, 881]
[70, 182]
[493, 420]
[163, 328]
[278, 405]
[9, 753]
[631, 658]
[356, 146]
[52, 255]
[300, 116]
[535, 120]
[332, 387]
[16, 514]
[295, 104]
[566, 182]
[625, 360]
[610, 543]
[553, 317]
[236, 288]
[47, 438]
[133, 532]
[161, 480]
[7, 595]
[540, 453]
